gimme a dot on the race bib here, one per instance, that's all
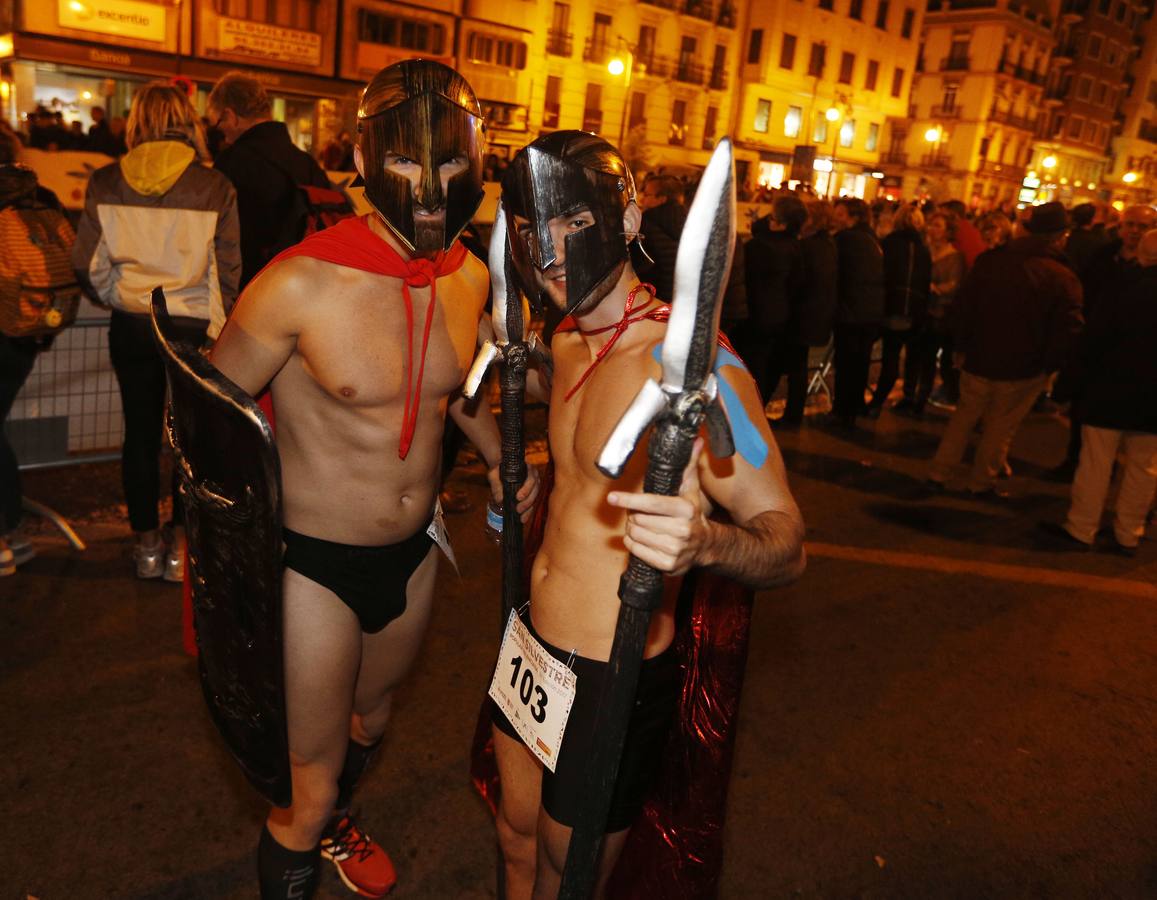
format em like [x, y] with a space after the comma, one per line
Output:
[438, 534]
[534, 690]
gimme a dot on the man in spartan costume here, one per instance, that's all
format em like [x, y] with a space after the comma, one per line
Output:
[363, 334]
[570, 210]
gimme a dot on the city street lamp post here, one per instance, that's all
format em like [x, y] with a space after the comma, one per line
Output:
[616, 67]
[833, 116]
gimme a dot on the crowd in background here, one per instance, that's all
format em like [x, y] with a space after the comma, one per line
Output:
[975, 313]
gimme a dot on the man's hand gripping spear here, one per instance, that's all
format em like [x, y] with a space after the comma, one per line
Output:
[677, 408]
[509, 315]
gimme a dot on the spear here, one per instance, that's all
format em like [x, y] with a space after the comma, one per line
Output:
[509, 314]
[677, 408]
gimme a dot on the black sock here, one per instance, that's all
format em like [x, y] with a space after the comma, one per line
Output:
[357, 760]
[285, 874]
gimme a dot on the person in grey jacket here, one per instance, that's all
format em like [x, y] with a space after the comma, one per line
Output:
[157, 217]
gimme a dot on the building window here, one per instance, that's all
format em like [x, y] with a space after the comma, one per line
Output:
[815, 65]
[638, 114]
[558, 38]
[909, 21]
[898, 82]
[1111, 53]
[645, 49]
[792, 122]
[677, 135]
[495, 51]
[948, 100]
[1103, 6]
[1093, 51]
[593, 108]
[755, 46]
[872, 76]
[848, 133]
[762, 116]
[827, 4]
[1090, 131]
[1102, 92]
[1153, 91]
[856, 10]
[400, 31]
[1076, 123]
[709, 128]
[787, 52]
[550, 113]
[882, 15]
[820, 130]
[847, 64]
[873, 137]
[1084, 87]
[1119, 13]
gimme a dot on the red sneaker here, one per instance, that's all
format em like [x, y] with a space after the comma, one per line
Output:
[362, 864]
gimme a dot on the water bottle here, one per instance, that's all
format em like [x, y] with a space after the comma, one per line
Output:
[494, 522]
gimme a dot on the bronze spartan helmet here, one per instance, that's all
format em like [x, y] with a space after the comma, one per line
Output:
[427, 112]
[556, 175]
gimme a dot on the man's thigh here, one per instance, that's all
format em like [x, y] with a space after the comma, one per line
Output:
[322, 647]
[386, 657]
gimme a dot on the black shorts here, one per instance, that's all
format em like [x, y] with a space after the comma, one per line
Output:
[656, 701]
[371, 581]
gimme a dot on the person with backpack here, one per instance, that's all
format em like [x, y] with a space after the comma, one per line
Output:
[266, 168]
[38, 298]
[158, 217]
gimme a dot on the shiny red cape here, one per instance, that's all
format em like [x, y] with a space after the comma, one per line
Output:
[675, 848]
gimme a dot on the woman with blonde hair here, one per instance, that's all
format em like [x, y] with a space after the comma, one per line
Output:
[157, 217]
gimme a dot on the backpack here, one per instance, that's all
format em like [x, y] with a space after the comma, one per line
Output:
[309, 209]
[39, 293]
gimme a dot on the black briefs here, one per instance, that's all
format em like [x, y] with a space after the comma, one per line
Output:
[371, 581]
[656, 701]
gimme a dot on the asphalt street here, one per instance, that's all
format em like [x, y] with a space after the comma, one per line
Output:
[947, 704]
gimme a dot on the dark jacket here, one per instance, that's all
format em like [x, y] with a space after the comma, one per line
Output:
[773, 272]
[861, 276]
[1106, 276]
[1116, 360]
[907, 276]
[1017, 312]
[661, 228]
[1082, 246]
[265, 167]
[818, 310]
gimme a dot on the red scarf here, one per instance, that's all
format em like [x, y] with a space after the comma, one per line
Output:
[658, 314]
[352, 243]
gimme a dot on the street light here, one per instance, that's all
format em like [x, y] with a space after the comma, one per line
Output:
[617, 67]
[833, 115]
[1129, 177]
[934, 136]
[1049, 162]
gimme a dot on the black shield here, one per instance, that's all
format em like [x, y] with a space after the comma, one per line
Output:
[230, 483]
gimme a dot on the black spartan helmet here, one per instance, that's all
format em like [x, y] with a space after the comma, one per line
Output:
[559, 174]
[427, 112]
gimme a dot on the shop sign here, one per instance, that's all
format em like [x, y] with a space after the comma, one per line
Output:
[122, 18]
[268, 42]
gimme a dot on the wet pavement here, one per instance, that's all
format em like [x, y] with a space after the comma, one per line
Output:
[948, 704]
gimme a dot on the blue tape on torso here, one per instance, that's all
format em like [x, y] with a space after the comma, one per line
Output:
[749, 443]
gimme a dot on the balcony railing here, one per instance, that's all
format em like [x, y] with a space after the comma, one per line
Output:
[592, 120]
[894, 158]
[688, 72]
[598, 52]
[936, 160]
[1025, 123]
[559, 43]
[947, 112]
[700, 9]
[1000, 170]
[662, 4]
[718, 80]
[650, 64]
[954, 64]
[727, 16]
[1021, 72]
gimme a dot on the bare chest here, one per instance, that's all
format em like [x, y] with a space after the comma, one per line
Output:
[371, 343]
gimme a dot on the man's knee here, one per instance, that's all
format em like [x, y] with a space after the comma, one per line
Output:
[369, 720]
[314, 789]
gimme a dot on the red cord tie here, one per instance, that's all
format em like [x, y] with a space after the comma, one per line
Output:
[618, 328]
[421, 272]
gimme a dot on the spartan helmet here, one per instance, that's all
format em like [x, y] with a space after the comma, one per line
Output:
[427, 112]
[556, 175]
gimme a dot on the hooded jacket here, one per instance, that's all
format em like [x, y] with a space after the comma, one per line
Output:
[156, 218]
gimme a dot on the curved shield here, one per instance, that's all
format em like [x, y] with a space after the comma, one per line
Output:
[230, 483]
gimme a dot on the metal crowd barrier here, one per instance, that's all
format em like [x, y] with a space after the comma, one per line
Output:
[69, 410]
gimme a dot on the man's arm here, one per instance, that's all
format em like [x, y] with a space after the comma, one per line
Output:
[477, 422]
[261, 334]
[763, 547]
